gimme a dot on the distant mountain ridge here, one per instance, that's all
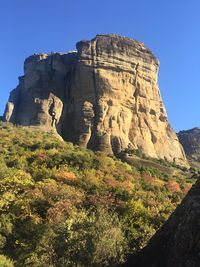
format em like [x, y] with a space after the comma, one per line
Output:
[190, 140]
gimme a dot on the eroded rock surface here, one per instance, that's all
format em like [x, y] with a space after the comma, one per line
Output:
[177, 244]
[104, 96]
[190, 141]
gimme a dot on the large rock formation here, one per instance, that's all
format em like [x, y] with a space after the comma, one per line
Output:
[190, 141]
[104, 96]
[177, 244]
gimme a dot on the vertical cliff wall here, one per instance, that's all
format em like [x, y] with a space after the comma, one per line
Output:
[104, 96]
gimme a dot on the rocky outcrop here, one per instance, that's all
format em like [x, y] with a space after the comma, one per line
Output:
[177, 244]
[104, 96]
[190, 141]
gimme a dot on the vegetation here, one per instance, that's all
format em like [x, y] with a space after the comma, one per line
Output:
[61, 205]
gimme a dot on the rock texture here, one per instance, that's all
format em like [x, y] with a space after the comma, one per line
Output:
[104, 96]
[190, 141]
[177, 244]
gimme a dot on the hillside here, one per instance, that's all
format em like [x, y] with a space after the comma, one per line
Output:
[62, 205]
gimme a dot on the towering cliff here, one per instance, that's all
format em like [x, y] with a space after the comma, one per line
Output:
[104, 96]
[177, 244]
[190, 141]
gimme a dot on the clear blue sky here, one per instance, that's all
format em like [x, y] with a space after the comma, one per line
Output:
[170, 28]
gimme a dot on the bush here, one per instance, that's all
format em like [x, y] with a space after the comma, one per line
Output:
[5, 262]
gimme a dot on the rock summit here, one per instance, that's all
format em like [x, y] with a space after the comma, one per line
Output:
[104, 96]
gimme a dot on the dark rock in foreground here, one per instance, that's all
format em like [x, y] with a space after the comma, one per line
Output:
[177, 244]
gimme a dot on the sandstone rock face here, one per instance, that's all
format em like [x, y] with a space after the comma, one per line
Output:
[190, 141]
[177, 244]
[104, 96]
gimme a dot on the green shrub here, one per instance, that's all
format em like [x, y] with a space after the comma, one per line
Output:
[5, 262]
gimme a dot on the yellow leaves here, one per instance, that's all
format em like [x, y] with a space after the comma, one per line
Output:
[91, 176]
[35, 218]
[5, 262]
[159, 182]
[6, 199]
[24, 211]
[15, 179]
[8, 196]
[137, 206]
[53, 152]
[14, 182]
[128, 186]
[125, 185]
[66, 176]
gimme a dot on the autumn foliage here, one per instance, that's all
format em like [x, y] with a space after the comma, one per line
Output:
[61, 205]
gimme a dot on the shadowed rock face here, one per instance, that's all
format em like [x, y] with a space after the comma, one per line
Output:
[104, 96]
[177, 244]
[190, 141]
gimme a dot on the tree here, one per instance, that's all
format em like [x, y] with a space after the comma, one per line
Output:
[91, 239]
